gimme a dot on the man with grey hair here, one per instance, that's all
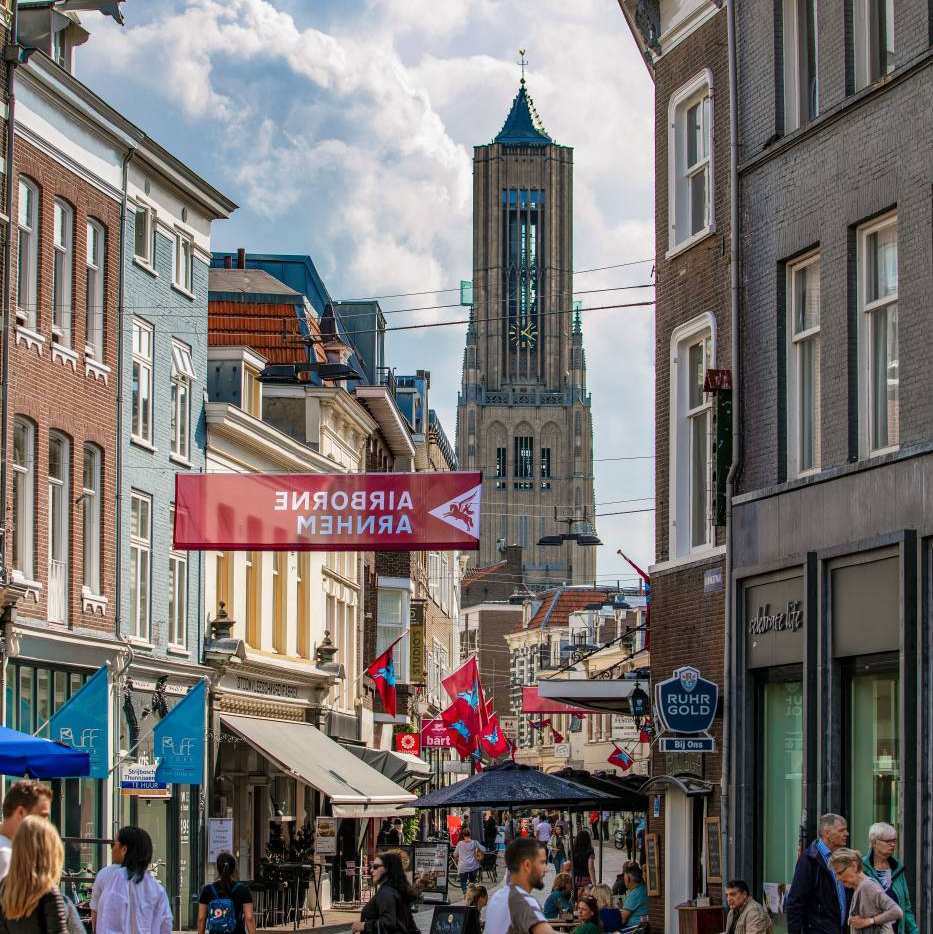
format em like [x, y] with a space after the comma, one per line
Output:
[818, 903]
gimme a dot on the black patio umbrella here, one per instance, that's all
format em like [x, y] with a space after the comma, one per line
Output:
[624, 790]
[510, 785]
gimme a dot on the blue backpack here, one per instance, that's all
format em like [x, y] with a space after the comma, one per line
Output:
[221, 914]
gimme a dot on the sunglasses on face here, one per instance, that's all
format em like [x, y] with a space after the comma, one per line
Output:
[378, 865]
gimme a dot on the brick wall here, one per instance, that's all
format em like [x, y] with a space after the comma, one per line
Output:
[494, 655]
[55, 396]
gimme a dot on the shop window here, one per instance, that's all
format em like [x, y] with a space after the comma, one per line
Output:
[781, 780]
[873, 764]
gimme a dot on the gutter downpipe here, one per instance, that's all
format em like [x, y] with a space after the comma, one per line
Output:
[5, 337]
[735, 467]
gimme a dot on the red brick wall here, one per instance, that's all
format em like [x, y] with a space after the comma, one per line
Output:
[55, 397]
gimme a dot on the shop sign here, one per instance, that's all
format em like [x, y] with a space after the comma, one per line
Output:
[408, 742]
[562, 750]
[712, 580]
[509, 726]
[138, 779]
[328, 512]
[265, 688]
[325, 836]
[434, 734]
[687, 702]
[687, 744]
[416, 670]
[764, 621]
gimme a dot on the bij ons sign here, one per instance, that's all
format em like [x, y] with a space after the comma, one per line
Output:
[328, 512]
[687, 701]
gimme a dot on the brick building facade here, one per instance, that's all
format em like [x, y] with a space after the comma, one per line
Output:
[685, 48]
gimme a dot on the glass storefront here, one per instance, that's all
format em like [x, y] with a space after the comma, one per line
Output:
[873, 770]
[33, 694]
[782, 785]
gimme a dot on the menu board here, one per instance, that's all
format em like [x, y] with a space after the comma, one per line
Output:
[455, 919]
[431, 862]
[652, 864]
[325, 836]
[713, 850]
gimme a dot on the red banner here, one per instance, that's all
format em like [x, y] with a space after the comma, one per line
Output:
[532, 702]
[408, 742]
[328, 512]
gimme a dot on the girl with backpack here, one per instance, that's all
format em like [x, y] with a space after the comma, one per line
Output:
[389, 910]
[226, 906]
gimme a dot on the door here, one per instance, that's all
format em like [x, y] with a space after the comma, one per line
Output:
[678, 854]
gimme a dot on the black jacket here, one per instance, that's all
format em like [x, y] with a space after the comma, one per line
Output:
[48, 918]
[812, 904]
[387, 912]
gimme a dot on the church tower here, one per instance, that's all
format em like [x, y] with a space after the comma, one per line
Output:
[523, 414]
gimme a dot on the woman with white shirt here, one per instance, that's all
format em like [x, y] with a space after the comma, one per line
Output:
[126, 899]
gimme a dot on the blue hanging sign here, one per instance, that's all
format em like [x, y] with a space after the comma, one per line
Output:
[83, 722]
[178, 741]
[687, 702]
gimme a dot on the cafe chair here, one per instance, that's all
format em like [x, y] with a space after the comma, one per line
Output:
[489, 868]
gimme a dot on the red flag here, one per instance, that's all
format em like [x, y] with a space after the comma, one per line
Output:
[462, 726]
[464, 684]
[492, 741]
[622, 759]
[382, 671]
[556, 737]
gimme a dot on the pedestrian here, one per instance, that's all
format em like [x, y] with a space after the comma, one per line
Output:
[30, 902]
[125, 896]
[888, 872]
[818, 903]
[23, 798]
[513, 909]
[398, 832]
[588, 913]
[560, 900]
[604, 820]
[635, 902]
[389, 910]
[226, 906]
[490, 832]
[477, 896]
[871, 910]
[594, 824]
[468, 856]
[583, 858]
[557, 848]
[746, 916]
[628, 833]
[385, 831]
[543, 831]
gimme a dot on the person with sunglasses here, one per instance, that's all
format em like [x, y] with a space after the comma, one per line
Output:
[389, 910]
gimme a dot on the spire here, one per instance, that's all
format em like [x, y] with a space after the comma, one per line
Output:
[522, 126]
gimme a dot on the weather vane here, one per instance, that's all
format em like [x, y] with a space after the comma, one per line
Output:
[523, 63]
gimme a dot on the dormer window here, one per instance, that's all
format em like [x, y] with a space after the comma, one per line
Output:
[59, 49]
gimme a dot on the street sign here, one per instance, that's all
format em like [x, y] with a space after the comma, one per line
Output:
[138, 779]
[328, 512]
[687, 744]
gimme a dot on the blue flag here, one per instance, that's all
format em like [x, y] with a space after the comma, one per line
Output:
[84, 722]
[178, 741]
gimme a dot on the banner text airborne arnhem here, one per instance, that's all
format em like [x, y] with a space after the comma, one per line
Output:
[320, 513]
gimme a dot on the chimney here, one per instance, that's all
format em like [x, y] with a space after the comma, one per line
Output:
[228, 262]
[241, 258]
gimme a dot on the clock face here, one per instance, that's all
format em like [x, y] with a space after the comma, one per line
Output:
[523, 337]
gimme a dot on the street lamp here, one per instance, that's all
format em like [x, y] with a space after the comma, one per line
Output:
[639, 702]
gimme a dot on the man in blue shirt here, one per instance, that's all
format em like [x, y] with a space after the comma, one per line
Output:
[818, 903]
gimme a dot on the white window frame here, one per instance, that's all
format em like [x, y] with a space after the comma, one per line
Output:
[91, 504]
[679, 493]
[867, 313]
[24, 502]
[794, 370]
[251, 382]
[62, 271]
[95, 253]
[796, 42]
[866, 39]
[140, 569]
[679, 173]
[182, 376]
[177, 609]
[27, 258]
[141, 410]
[386, 633]
[147, 258]
[59, 488]
[183, 273]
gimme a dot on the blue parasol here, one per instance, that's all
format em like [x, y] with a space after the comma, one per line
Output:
[33, 757]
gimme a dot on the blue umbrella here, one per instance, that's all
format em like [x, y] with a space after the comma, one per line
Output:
[33, 757]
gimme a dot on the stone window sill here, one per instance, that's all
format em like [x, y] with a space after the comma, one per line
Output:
[32, 339]
[93, 603]
[183, 291]
[145, 266]
[65, 356]
[145, 445]
[690, 242]
[96, 370]
[33, 588]
[177, 650]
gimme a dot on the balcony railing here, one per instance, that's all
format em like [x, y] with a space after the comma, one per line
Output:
[57, 601]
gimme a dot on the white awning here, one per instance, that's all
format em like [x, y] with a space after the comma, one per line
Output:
[181, 361]
[354, 788]
[605, 696]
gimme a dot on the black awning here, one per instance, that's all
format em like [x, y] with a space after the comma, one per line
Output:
[624, 791]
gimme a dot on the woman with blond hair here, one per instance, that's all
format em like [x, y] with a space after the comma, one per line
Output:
[610, 918]
[30, 902]
[871, 910]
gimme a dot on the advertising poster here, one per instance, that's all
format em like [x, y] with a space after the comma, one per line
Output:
[325, 836]
[219, 837]
[431, 862]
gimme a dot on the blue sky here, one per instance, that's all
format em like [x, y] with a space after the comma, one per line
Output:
[344, 129]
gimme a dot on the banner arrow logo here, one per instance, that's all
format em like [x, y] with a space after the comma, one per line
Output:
[461, 512]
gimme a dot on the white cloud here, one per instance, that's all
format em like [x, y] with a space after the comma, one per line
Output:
[349, 134]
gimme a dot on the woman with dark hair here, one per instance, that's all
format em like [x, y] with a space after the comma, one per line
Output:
[584, 860]
[588, 912]
[126, 896]
[226, 905]
[389, 910]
